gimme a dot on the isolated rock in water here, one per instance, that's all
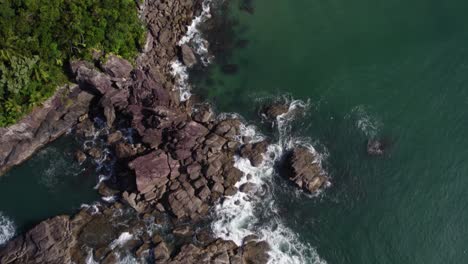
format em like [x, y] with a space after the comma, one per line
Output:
[80, 156]
[188, 56]
[117, 67]
[375, 147]
[304, 170]
[272, 111]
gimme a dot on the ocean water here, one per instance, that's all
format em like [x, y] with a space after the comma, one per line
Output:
[394, 70]
[48, 184]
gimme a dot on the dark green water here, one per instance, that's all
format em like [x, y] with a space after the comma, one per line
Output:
[48, 184]
[392, 69]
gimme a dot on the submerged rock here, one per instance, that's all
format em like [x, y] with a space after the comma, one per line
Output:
[375, 147]
[273, 110]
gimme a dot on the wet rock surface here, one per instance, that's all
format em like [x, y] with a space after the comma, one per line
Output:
[302, 166]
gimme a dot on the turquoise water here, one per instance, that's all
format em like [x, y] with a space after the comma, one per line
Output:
[396, 70]
[48, 184]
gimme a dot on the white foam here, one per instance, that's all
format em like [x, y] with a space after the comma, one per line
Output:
[238, 215]
[368, 124]
[7, 229]
[194, 37]
[179, 71]
[122, 240]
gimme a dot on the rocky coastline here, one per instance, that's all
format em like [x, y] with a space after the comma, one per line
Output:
[176, 164]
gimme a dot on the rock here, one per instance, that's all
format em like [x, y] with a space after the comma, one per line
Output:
[124, 150]
[375, 147]
[114, 137]
[229, 128]
[48, 242]
[256, 252]
[304, 169]
[161, 252]
[95, 153]
[44, 124]
[272, 111]
[203, 114]
[90, 78]
[80, 157]
[151, 170]
[131, 199]
[254, 152]
[248, 187]
[117, 67]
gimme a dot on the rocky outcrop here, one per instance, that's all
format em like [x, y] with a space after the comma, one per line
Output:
[254, 152]
[48, 242]
[46, 123]
[304, 169]
[177, 164]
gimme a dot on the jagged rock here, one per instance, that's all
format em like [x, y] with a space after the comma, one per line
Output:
[151, 170]
[117, 67]
[114, 137]
[80, 157]
[47, 242]
[272, 111]
[203, 114]
[229, 128]
[44, 124]
[254, 152]
[96, 153]
[304, 169]
[256, 252]
[161, 252]
[90, 78]
[188, 57]
[124, 150]
[248, 187]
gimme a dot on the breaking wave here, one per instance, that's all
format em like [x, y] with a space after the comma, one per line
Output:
[194, 38]
[254, 212]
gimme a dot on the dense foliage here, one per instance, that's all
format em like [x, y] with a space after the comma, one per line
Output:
[39, 37]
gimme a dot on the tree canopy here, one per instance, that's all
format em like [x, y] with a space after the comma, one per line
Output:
[39, 37]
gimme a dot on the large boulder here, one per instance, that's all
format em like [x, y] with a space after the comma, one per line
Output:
[188, 57]
[303, 167]
[151, 170]
[117, 67]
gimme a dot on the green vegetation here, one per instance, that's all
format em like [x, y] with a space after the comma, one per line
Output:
[39, 37]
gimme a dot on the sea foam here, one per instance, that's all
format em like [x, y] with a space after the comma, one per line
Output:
[7, 229]
[255, 213]
[194, 37]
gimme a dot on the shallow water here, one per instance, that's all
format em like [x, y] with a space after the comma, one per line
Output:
[392, 69]
[48, 184]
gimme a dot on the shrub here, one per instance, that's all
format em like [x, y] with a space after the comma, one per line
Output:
[39, 37]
